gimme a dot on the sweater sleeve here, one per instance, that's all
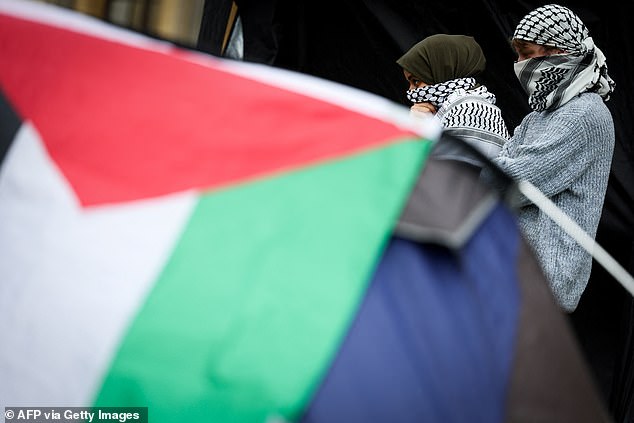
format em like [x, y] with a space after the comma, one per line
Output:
[553, 157]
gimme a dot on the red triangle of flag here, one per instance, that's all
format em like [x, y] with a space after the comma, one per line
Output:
[124, 122]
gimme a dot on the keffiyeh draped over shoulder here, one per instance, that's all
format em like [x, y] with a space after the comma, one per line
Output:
[471, 114]
[551, 81]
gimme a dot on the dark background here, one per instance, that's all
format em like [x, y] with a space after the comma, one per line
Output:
[356, 42]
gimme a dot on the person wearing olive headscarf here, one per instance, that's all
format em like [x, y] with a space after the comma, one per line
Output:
[441, 71]
[564, 146]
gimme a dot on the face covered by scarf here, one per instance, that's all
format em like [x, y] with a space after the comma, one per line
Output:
[552, 81]
[445, 63]
[437, 94]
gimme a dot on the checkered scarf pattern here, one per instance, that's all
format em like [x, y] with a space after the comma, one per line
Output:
[463, 106]
[475, 110]
[437, 94]
[555, 26]
[552, 81]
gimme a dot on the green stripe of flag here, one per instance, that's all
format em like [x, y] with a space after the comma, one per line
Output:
[252, 305]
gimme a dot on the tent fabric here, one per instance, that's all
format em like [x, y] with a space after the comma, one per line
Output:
[432, 216]
[338, 41]
[555, 376]
[430, 315]
[455, 314]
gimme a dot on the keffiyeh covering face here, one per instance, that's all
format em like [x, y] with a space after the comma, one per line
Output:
[469, 111]
[437, 94]
[552, 81]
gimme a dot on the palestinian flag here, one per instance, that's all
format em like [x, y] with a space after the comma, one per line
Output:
[161, 212]
[212, 240]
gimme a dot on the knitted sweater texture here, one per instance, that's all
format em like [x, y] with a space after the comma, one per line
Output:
[567, 154]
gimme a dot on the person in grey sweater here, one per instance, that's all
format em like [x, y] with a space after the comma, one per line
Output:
[564, 146]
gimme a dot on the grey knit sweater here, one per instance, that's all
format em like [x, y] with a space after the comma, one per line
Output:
[567, 154]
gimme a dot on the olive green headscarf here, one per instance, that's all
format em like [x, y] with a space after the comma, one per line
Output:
[441, 57]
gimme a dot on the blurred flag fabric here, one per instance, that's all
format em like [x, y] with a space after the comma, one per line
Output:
[227, 242]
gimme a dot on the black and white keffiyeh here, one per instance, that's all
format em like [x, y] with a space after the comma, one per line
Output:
[437, 94]
[552, 81]
[474, 109]
[473, 116]
[466, 110]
